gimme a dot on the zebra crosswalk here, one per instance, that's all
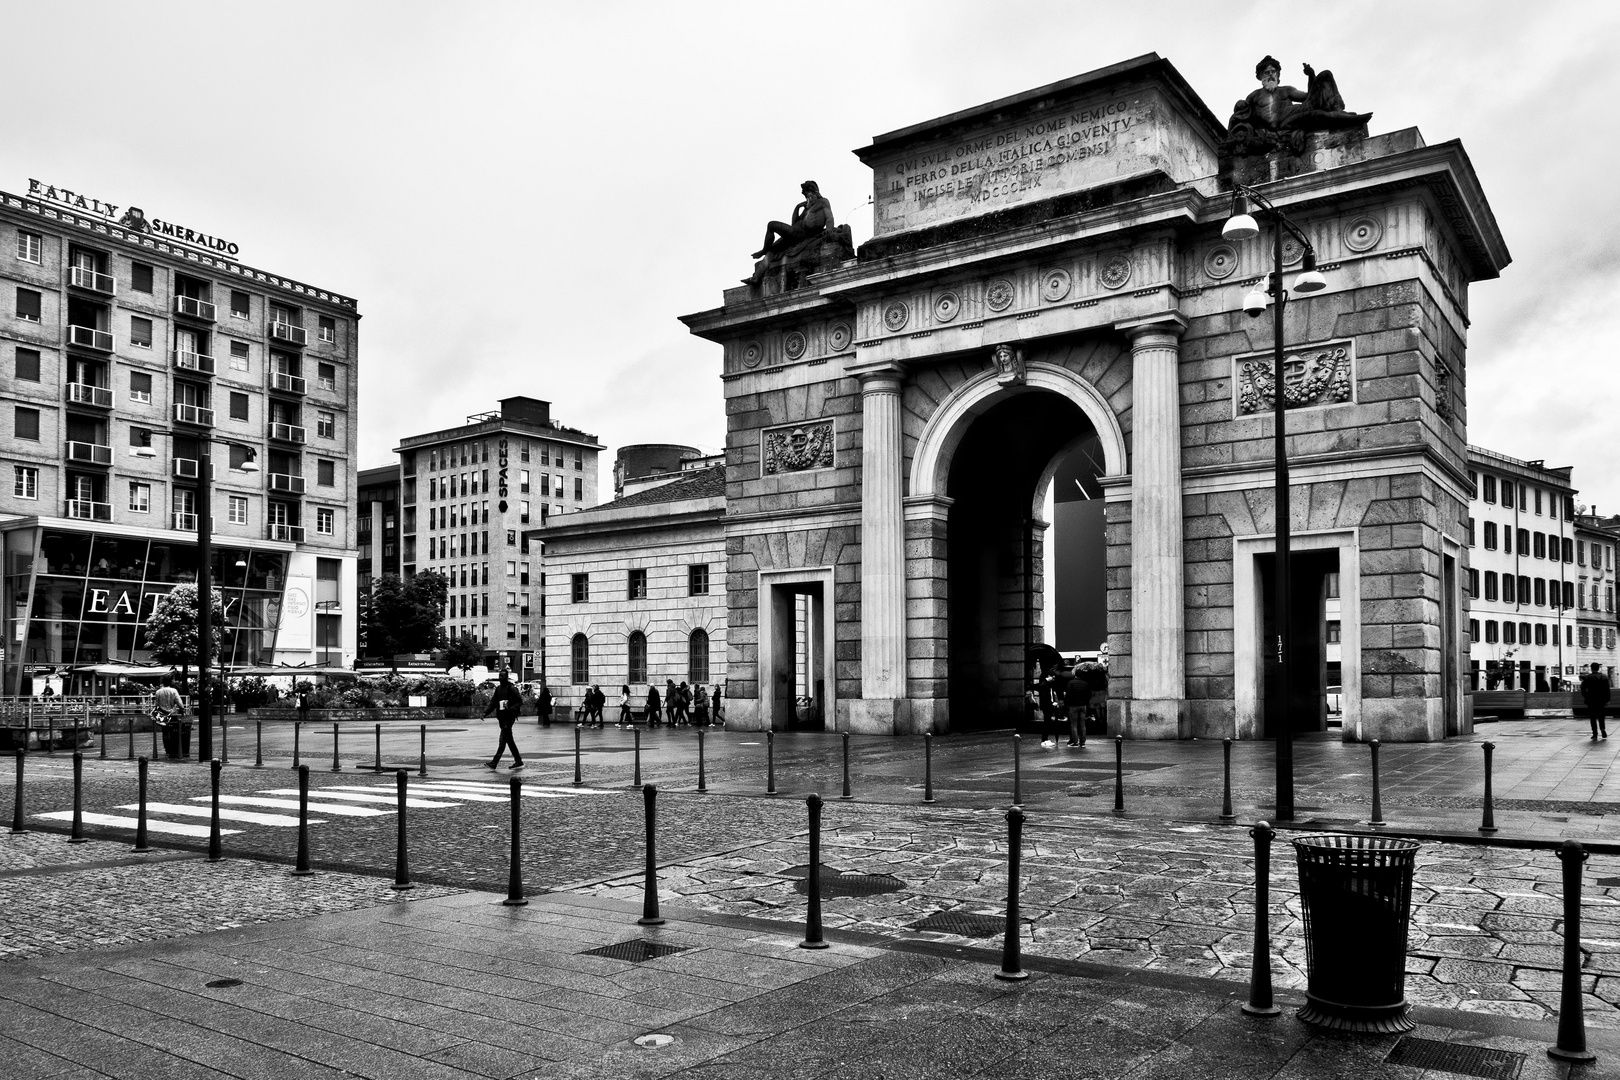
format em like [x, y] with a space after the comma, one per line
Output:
[278, 807]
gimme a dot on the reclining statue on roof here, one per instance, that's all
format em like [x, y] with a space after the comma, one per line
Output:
[800, 240]
[1277, 115]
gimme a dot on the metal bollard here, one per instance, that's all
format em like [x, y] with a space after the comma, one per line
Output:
[579, 777]
[421, 765]
[141, 846]
[129, 729]
[1377, 818]
[1012, 967]
[812, 913]
[301, 866]
[649, 887]
[77, 835]
[1018, 772]
[103, 731]
[376, 764]
[17, 801]
[224, 753]
[214, 850]
[1227, 817]
[298, 728]
[50, 736]
[335, 766]
[846, 794]
[1119, 774]
[636, 782]
[1571, 1045]
[770, 763]
[154, 739]
[703, 780]
[258, 744]
[1260, 1002]
[1487, 823]
[514, 876]
[928, 766]
[402, 873]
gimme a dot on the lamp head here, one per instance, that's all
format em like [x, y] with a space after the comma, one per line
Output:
[1310, 280]
[1241, 225]
[249, 466]
[1254, 303]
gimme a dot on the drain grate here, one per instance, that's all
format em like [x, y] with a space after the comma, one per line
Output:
[220, 984]
[636, 951]
[963, 923]
[1458, 1058]
[836, 884]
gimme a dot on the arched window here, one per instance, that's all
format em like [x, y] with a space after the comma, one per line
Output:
[697, 657]
[637, 666]
[582, 659]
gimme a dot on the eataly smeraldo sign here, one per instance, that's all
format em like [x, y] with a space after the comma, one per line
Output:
[133, 217]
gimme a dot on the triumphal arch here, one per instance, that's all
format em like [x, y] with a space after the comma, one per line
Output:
[1048, 278]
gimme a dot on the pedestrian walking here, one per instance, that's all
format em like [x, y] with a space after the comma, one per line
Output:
[166, 708]
[683, 703]
[542, 705]
[505, 703]
[671, 701]
[719, 713]
[655, 706]
[598, 702]
[1595, 691]
[624, 706]
[1077, 703]
[700, 706]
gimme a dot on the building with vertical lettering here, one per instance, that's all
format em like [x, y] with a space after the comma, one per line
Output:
[136, 353]
[467, 496]
[377, 523]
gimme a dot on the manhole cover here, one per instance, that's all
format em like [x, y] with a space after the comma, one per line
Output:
[836, 884]
[654, 1041]
[1456, 1058]
[635, 951]
[220, 984]
[964, 923]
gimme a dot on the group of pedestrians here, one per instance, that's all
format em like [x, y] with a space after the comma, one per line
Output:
[680, 706]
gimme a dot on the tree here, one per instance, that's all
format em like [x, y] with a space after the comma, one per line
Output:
[171, 629]
[465, 652]
[405, 616]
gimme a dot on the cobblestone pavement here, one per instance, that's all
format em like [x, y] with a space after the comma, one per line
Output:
[57, 897]
[1486, 930]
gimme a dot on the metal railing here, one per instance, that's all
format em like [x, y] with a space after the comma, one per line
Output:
[89, 453]
[289, 384]
[194, 308]
[183, 522]
[82, 277]
[288, 332]
[88, 337]
[88, 394]
[287, 482]
[287, 432]
[85, 510]
[193, 414]
[193, 361]
[291, 533]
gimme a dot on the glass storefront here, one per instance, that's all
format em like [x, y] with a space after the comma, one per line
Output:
[74, 599]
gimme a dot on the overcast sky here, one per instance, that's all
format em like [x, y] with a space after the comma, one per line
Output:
[524, 196]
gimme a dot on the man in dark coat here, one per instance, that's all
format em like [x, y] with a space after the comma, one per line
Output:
[1595, 691]
[505, 703]
[543, 705]
[1077, 702]
[655, 706]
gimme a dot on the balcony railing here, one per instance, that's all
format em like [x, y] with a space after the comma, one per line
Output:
[287, 482]
[89, 453]
[287, 432]
[194, 414]
[82, 277]
[88, 337]
[192, 361]
[287, 384]
[85, 510]
[193, 308]
[86, 394]
[184, 522]
[293, 335]
[186, 468]
[291, 533]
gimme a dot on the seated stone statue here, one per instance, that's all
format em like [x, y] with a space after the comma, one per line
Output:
[1276, 116]
[812, 222]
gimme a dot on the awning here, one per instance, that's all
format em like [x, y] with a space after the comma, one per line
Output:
[133, 671]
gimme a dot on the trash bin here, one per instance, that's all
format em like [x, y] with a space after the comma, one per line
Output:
[1356, 892]
[176, 738]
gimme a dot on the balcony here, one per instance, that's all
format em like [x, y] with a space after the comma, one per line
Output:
[186, 469]
[98, 397]
[193, 308]
[191, 361]
[290, 533]
[287, 482]
[82, 277]
[194, 414]
[292, 335]
[88, 337]
[85, 510]
[89, 453]
[287, 433]
[183, 522]
[287, 384]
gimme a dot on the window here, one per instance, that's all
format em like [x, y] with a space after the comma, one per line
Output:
[1473, 629]
[1507, 539]
[30, 246]
[28, 365]
[580, 665]
[1538, 510]
[326, 473]
[1490, 489]
[1490, 631]
[579, 459]
[1524, 633]
[239, 356]
[1568, 549]
[326, 376]
[523, 481]
[1510, 633]
[1490, 584]
[140, 332]
[239, 405]
[325, 424]
[1541, 629]
[28, 305]
[523, 574]
[1473, 483]
[25, 481]
[1541, 545]
[325, 519]
[1510, 591]
[1333, 631]
[328, 329]
[239, 304]
[1580, 552]
[1541, 592]
[1524, 589]
[1580, 595]
[140, 277]
[580, 587]
[237, 512]
[636, 660]
[140, 386]
[1473, 582]
[1524, 541]
[1507, 494]
[1470, 532]
[1583, 637]
[511, 537]
[523, 450]
[697, 579]
[638, 588]
[523, 512]
[1490, 536]
[27, 424]
[1569, 594]
[511, 569]
[697, 657]
[579, 488]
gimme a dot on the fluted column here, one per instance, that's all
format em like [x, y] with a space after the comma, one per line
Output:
[1158, 640]
[883, 549]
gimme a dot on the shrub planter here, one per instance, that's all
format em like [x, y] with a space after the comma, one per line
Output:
[393, 712]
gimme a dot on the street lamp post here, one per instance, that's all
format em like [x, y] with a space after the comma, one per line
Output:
[1242, 226]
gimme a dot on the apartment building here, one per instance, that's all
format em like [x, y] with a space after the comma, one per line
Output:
[377, 525]
[1596, 540]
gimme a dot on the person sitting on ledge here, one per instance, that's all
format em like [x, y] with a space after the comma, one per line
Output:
[811, 218]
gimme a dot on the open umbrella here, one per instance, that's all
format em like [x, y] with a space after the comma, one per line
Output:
[1044, 655]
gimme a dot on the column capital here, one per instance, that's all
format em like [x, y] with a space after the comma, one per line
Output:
[1159, 329]
[884, 376]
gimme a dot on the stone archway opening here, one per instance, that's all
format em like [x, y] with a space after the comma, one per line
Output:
[1000, 473]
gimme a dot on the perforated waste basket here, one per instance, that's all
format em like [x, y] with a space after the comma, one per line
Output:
[1356, 892]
